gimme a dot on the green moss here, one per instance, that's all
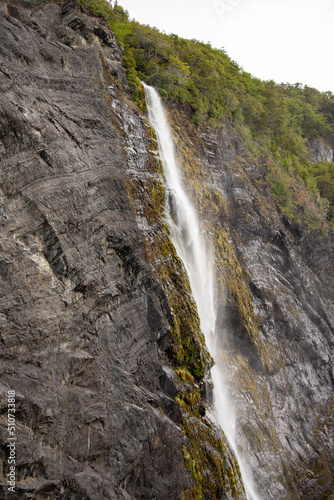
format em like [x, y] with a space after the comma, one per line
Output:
[208, 451]
[184, 375]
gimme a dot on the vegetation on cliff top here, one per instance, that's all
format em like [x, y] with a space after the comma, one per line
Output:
[274, 120]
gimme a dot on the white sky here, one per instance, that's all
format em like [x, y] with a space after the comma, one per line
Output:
[283, 40]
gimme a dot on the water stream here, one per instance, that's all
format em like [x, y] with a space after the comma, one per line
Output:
[190, 246]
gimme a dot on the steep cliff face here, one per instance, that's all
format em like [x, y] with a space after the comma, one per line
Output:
[87, 326]
[99, 334]
[275, 286]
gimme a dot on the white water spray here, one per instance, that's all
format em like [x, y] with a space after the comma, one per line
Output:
[189, 244]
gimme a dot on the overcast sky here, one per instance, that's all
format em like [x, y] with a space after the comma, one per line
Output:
[283, 40]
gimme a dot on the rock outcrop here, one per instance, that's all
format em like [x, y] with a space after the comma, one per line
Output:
[320, 151]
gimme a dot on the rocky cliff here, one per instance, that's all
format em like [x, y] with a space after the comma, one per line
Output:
[99, 333]
[86, 319]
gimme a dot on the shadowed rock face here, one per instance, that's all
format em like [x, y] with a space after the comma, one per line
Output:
[80, 311]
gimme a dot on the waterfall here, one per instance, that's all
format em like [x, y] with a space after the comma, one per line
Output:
[190, 246]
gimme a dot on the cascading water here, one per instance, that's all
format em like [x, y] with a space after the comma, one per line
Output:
[189, 244]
